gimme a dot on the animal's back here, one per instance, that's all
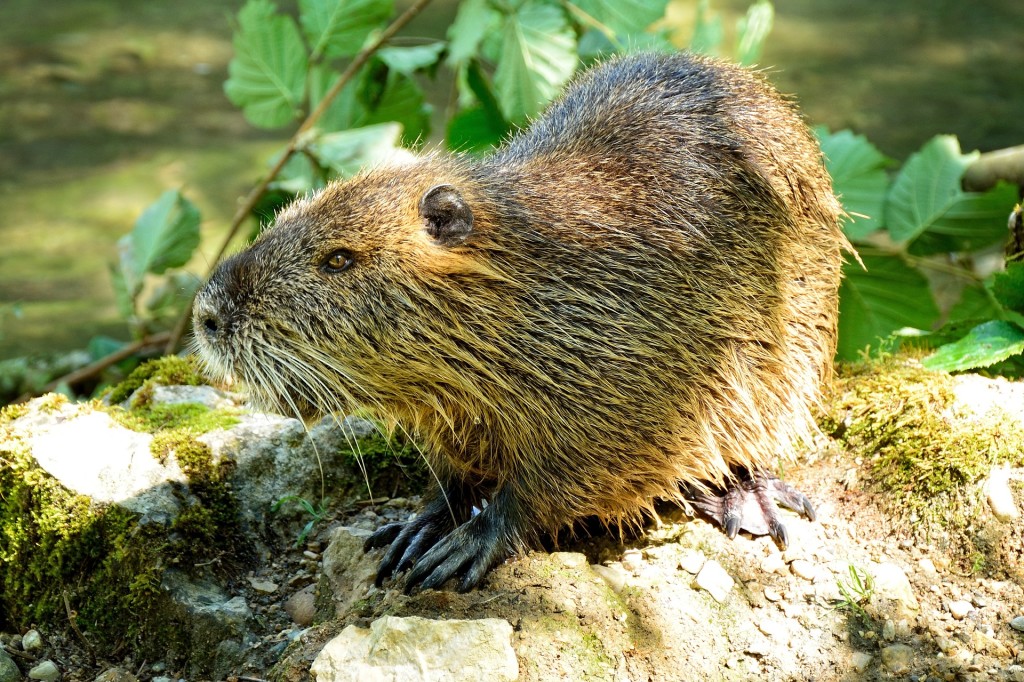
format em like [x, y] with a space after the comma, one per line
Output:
[679, 244]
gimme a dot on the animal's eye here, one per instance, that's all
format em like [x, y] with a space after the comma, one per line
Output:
[338, 261]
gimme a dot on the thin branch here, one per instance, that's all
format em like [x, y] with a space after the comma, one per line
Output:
[94, 369]
[293, 144]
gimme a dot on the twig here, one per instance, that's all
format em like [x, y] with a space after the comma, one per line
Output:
[95, 368]
[72, 617]
[293, 144]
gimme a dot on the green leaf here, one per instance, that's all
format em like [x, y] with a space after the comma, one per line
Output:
[625, 17]
[480, 127]
[985, 345]
[348, 151]
[267, 75]
[708, 33]
[409, 60]
[395, 97]
[873, 304]
[474, 21]
[124, 293]
[339, 28]
[1008, 287]
[858, 178]
[752, 30]
[974, 221]
[376, 95]
[927, 203]
[538, 55]
[165, 235]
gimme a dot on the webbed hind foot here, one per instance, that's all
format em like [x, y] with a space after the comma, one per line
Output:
[750, 504]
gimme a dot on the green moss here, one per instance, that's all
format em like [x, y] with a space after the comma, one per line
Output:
[170, 370]
[901, 421]
[57, 545]
[9, 413]
[150, 418]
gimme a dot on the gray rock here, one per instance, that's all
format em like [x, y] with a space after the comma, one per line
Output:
[1018, 623]
[348, 572]
[613, 575]
[414, 649]
[207, 396]
[897, 658]
[301, 606]
[46, 671]
[8, 668]
[715, 580]
[889, 582]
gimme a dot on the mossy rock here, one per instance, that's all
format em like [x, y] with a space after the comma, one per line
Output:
[923, 448]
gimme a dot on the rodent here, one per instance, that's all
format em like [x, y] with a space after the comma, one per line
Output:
[634, 298]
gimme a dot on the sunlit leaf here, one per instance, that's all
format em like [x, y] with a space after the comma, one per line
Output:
[409, 60]
[165, 235]
[538, 55]
[474, 21]
[752, 30]
[347, 151]
[983, 346]
[339, 28]
[858, 178]
[927, 204]
[267, 75]
[625, 17]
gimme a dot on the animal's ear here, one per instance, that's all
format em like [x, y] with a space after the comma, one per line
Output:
[448, 217]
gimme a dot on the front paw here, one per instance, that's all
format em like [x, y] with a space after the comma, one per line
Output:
[409, 540]
[468, 551]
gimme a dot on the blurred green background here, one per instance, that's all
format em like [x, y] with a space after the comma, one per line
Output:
[104, 104]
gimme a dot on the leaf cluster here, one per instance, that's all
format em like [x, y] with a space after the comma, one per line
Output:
[912, 227]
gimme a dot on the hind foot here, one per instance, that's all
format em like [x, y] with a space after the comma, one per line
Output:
[750, 504]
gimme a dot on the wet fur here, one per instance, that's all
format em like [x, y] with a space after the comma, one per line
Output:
[648, 297]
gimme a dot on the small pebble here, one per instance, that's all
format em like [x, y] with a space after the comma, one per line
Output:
[927, 567]
[773, 563]
[897, 657]
[716, 580]
[861, 660]
[692, 561]
[889, 630]
[32, 641]
[263, 586]
[613, 575]
[772, 594]
[802, 569]
[1018, 623]
[959, 608]
[46, 671]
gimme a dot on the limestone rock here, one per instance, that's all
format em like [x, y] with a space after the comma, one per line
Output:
[8, 668]
[417, 649]
[348, 572]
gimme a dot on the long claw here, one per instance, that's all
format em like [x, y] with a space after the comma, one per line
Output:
[750, 505]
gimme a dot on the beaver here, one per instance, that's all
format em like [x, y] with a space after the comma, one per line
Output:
[633, 299]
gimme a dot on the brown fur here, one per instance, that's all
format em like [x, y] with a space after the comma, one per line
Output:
[648, 296]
